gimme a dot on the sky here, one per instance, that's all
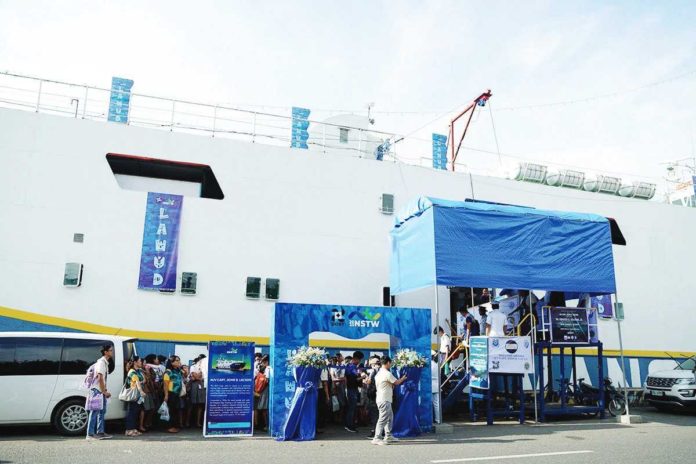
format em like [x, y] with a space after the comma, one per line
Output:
[604, 86]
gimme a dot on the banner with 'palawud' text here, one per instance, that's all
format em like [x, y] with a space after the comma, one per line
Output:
[160, 242]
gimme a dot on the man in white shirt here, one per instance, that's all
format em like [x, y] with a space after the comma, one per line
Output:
[461, 324]
[323, 399]
[435, 374]
[495, 322]
[385, 381]
[95, 422]
[445, 342]
[338, 377]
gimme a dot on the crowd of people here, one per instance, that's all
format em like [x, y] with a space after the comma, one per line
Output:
[150, 383]
[349, 394]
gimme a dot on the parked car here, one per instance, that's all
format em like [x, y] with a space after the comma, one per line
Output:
[674, 388]
[41, 374]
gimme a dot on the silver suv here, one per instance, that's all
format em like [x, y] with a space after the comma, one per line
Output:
[675, 388]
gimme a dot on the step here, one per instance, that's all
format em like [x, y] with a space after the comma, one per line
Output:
[444, 428]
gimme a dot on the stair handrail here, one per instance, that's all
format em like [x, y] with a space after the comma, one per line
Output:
[533, 326]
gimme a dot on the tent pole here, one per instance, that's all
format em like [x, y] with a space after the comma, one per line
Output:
[534, 386]
[439, 380]
[623, 363]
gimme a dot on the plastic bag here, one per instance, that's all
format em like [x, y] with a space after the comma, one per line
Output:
[163, 411]
[335, 404]
[95, 400]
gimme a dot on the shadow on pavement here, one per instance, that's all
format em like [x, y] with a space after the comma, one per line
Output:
[463, 431]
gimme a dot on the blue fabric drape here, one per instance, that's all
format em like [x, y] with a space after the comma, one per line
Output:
[301, 423]
[469, 244]
[406, 417]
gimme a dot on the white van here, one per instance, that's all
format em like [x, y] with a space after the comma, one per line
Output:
[41, 372]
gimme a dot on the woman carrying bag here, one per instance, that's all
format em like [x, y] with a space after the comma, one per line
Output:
[133, 395]
[150, 399]
[173, 383]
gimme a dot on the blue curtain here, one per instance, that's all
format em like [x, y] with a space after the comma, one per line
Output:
[406, 417]
[301, 423]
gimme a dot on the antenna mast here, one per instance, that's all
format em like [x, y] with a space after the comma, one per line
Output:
[471, 107]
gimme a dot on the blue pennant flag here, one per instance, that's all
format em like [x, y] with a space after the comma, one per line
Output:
[300, 124]
[119, 100]
[439, 151]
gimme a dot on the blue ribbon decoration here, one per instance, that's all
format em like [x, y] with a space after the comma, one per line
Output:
[406, 417]
[301, 422]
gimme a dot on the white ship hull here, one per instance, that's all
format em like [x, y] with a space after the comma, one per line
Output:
[308, 219]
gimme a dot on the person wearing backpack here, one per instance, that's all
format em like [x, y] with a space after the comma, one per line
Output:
[261, 398]
[371, 392]
[197, 394]
[95, 421]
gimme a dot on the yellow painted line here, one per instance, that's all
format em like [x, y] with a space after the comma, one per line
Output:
[349, 344]
[204, 338]
[142, 334]
[174, 336]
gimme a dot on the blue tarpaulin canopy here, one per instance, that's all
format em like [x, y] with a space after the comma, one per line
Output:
[477, 244]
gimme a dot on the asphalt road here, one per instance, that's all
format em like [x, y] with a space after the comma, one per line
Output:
[668, 438]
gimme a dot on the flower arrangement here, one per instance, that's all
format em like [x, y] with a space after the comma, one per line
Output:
[409, 358]
[308, 356]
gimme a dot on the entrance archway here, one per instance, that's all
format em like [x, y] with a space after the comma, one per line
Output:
[293, 323]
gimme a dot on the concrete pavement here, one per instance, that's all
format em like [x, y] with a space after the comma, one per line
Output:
[669, 438]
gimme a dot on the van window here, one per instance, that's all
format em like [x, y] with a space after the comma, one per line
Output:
[30, 356]
[128, 350]
[7, 351]
[79, 354]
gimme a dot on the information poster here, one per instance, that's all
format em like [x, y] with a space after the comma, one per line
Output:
[510, 355]
[229, 409]
[603, 305]
[478, 362]
[569, 325]
[508, 307]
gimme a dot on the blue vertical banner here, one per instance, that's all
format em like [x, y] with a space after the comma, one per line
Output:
[160, 242]
[300, 124]
[603, 305]
[478, 362]
[119, 101]
[229, 409]
[439, 151]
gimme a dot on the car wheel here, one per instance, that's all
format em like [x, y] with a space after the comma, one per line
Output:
[70, 417]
